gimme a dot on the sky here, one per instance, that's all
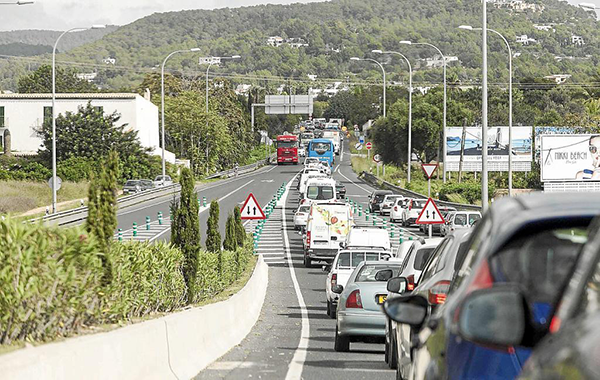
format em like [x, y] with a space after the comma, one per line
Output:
[65, 14]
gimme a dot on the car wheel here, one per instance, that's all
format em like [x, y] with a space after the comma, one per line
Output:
[393, 362]
[307, 262]
[387, 350]
[342, 343]
[330, 310]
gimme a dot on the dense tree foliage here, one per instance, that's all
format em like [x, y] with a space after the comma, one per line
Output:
[40, 81]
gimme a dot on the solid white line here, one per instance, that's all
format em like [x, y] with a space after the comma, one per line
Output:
[351, 181]
[297, 363]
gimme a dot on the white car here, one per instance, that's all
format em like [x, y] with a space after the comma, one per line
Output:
[411, 212]
[457, 220]
[388, 202]
[342, 267]
[158, 181]
[397, 209]
[301, 217]
[415, 260]
[310, 160]
[302, 151]
[369, 237]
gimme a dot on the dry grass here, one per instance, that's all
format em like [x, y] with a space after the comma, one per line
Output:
[20, 196]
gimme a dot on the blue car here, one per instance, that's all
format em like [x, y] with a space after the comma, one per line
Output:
[322, 149]
[523, 247]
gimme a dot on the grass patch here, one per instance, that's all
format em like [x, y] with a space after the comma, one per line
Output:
[21, 196]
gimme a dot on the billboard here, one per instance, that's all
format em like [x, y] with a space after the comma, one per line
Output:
[288, 104]
[497, 148]
[570, 157]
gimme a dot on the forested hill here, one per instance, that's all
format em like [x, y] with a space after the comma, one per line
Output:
[340, 29]
[48, 38]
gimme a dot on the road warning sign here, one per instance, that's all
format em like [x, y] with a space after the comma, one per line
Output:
[251, 209]
[430, 214]
[429, 169]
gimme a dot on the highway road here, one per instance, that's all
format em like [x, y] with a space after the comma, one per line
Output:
[294, 336]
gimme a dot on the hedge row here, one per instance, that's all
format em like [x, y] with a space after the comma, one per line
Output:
[51, 281]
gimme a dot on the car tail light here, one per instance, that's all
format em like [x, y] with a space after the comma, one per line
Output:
[395, 208]
[333, 280]
[308, 238]
[438, 293]
[354, 301]
[410, 282]
[410, 206]
[555, 324]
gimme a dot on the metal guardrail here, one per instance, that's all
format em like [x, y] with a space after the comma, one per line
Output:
[242, 169]
[78, 214]
[377, 182]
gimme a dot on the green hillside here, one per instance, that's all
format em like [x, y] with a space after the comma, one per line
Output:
[340, 29]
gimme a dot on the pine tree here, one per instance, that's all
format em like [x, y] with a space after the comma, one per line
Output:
[91, 223]
[108, 197]
[240, 231]
[213, 237]
[230, 242]
[185, 229]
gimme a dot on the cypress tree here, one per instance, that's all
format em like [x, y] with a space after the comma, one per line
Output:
[185, 229]
[213, 237]
[240, 231]
[230, 242]
[91, 223]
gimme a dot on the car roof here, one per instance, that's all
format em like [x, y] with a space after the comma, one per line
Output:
[378, 192]
[321, 140]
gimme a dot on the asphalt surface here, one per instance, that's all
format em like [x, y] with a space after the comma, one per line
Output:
[294, 337]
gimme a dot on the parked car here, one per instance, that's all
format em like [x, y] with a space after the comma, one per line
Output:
[388, 202]
[340, 190]
[146, 184]
[342, 267]
[522, 252]
[433, 285]
[163, 181]
[376, 198]
[398, 209]
[372, 237]
[301, 217]
[411, 212]
[132, 186]
[359, 314]
[459, 220]
[327, 226]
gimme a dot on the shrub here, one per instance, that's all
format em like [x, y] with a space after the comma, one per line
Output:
[240, 231]
[230, 243]
[213, 236]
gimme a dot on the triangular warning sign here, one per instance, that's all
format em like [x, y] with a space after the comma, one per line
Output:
[251, 209]
[430, 214]
[429, 169]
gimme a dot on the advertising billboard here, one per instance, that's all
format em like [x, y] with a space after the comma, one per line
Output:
[570, 157]
[497, 148]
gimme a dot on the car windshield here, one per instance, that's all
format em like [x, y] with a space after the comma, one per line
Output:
[287, 144]
[321, 147]
[316, 192]
[304, 209]
[367, 273]
[132, 183]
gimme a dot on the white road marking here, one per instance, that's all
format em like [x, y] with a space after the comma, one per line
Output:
[354, 183]
[297, 363]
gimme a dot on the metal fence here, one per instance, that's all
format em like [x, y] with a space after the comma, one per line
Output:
[242, 169]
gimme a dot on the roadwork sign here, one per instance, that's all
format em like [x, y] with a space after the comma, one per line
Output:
[430, 214]
[251, 209]
[429, 169]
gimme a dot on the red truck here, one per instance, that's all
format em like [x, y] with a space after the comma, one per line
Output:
[287, 149]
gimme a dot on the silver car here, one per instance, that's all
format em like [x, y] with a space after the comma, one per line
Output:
[359, 313]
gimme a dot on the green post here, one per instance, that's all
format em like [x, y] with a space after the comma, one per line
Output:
[204, 201]
[134, 229]
[120, 234]
[160, 218]
[147, 223]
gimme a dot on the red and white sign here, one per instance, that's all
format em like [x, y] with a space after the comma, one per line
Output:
[377, 158]
[430, 214]
[429, 169]
[252, 210]
[369, 145]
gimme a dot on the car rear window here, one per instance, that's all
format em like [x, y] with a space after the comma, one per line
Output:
[344, 260]
[473, 218]
[368, 272]
[421, 257]
[460, 220]
[320, 192]
[132, 183]
[417, 204]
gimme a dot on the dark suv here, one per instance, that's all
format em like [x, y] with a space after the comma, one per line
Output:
[376, 198]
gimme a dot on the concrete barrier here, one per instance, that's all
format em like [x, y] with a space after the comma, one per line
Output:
[177, 346]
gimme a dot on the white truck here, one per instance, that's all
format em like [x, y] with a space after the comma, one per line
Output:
[328, 224]
[334, 136]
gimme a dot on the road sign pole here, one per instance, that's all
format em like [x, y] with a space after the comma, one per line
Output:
[429, 196]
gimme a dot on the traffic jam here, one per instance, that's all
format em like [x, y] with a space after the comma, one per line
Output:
[465, 295]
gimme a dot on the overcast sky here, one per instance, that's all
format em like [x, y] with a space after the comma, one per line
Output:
[64, 14]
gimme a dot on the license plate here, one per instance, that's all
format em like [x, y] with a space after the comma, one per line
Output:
[381, 298]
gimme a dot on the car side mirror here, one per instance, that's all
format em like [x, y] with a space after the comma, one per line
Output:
[341, 244]
[326, 268]
[410, 310]
[496, 316]
[337, 289]
[397, 285]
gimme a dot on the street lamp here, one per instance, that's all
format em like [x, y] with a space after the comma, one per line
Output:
[445, 97]
[410, 90]
[384, 81]
[212, 61]
[162, 101]
[54, 184]
[510, 103]
[17, 3]
[484, 111]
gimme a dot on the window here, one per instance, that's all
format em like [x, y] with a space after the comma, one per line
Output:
[287, 144]
[321, 147]
[479, 238]
[473, 218]
[320, 192]
[2, 123]
[421, 258]
[344, 260]
[47, 115]
[368, 272]
[436, 256]
[460, 220]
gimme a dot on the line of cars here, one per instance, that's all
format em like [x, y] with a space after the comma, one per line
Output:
[134, 186]
[516, 296]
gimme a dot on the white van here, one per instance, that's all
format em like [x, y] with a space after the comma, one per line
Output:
[334, 136]
[368, 237]
[306, 178]
[327, 226]
[319, 189]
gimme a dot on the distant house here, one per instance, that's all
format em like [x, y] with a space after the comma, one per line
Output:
[275, 41]
[545, 28]
[437, 61]
[524, 40]
[243, 89]
[517, 5]
[109, 61]
[577, 40]
[558, 78]
[86, 76]
[295, 43]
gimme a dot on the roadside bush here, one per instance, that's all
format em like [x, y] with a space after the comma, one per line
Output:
[470, 191]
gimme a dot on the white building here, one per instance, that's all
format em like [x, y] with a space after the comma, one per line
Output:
[437, 61]
[577, 40]
[275, 41]
[545, 27]
[24, 114]
[109, 61]
[558, 78]
[87, 76]
[524, 40]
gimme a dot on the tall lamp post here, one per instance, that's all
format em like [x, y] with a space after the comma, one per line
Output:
[54, 183]
[510, 103]
[410, 90]
[484, 112]
[445, 97]
[384, 80]
[162, 102]
[211, 61]
[16, 2]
